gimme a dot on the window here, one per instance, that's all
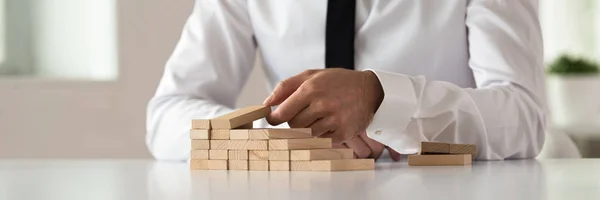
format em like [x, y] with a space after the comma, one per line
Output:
[67, 39]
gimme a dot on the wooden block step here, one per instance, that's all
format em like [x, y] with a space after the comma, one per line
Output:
[200, 144]
[197, 164]
[439, 160]
[217, 154]
[196, 134]
[201, 124]
[238, 165]
[258, 165]
[238, 154]
[199, 154]
[294, 144]
[219, 144]
[248, 145]
[463, 149]
[240, 117]
[239, 134]
[279, 165]
[220, 134]
[321, 154]
[279, 155]
[342, 165]
[217, 164]
[300, 165]
[258, 155]
[291, 133]
[434, 148]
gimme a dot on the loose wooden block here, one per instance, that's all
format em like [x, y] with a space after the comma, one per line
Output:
[218, 154]
[217, 164]
[240, 117]
[291, 133]
[279, 155]
[201, 124]
[199, 154]
[246, 126]
[196, 164]
[200, 144]
[258, 165]
[434, 147]
[219, 144]
[300, 165]
[279, 165]
[321, 154]
[248, 145]
[439, 160]
[463, 149]
[238, 165]
[342, 165]
[292, 144]
[258, 155]
[196, 134]
[238, 154]
[239, 134]
[220, 134]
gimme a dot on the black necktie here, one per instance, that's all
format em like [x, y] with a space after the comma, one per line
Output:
[339, 36]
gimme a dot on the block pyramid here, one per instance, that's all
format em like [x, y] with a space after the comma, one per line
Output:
[229, 142]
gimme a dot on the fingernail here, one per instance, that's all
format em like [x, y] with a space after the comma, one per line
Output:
[268, 99]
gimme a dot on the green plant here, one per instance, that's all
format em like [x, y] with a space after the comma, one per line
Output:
[568, 65]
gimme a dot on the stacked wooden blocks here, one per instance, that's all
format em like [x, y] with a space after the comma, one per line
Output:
[230, 143]
[437, 154]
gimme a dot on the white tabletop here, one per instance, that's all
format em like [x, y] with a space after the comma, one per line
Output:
[147, 179]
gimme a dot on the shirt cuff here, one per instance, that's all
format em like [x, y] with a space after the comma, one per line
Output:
[395, 113]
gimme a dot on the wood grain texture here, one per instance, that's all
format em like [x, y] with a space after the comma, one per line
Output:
[300, 165]
[239, 134]
[246, 126]
[279, 165]
[219, 144]
[217, 164]
[288, 133]
[248, 145]
[238, 165]
[238, 154]
[220, 134]
[258, 165]
[439, 160]
[217, 154]
[200, 144]
[258, 155]
[434, 147]
[342, 165]
[279, 155]
[240, 117]
[321, 154]
[463, 149]
[199, 154]
[196, 134]
[295, 144]
[201, 124]
[197, 164]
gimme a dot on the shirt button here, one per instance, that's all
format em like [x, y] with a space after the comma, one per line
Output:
[378, 132]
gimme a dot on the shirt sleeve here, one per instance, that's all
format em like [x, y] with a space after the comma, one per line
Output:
[203, 77]
[505, 116]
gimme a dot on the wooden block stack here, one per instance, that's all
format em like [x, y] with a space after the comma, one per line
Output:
[438, 154]
[230, 143]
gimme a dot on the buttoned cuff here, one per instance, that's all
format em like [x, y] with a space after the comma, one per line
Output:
[391, 121]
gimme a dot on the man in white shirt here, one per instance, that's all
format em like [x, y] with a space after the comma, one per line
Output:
[460, 71]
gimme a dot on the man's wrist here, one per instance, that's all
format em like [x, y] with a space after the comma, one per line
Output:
[375, 89]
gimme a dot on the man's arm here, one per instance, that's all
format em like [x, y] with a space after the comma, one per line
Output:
[203, 77]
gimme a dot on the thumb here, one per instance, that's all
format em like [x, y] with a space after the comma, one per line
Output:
[393, 154]
[285, 88]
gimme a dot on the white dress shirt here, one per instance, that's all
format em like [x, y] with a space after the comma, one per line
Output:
[459, 71]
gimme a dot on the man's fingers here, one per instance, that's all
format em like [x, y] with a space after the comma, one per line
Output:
[361, 150]
[376, 147]
[286, 88]
[306, 117]
[395, 155]
[288, 109]
[322, 126]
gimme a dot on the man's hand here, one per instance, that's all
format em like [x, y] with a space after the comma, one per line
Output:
[335, 103]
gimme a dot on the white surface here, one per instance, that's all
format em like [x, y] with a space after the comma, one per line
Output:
[145, 179]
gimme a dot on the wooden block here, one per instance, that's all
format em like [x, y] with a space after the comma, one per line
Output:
[238, 154]
[238, 165]
[217, 164]
[196, 164]
[201, 124]
[199, 154]
[292, 144]
[196, 134]
[322, 154]
[279, 165]
[279, 155]
[342, 165]
[248, 145]
[217, 154]
[258, 165]
[239, 134]
[219, 144]
[220, 134]
[300, 165]
[258, 155]
[463, 149]
[246, 126]
[200, 144]
[434, 147]
[291, 133]
[439, 160]
[240, 117]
